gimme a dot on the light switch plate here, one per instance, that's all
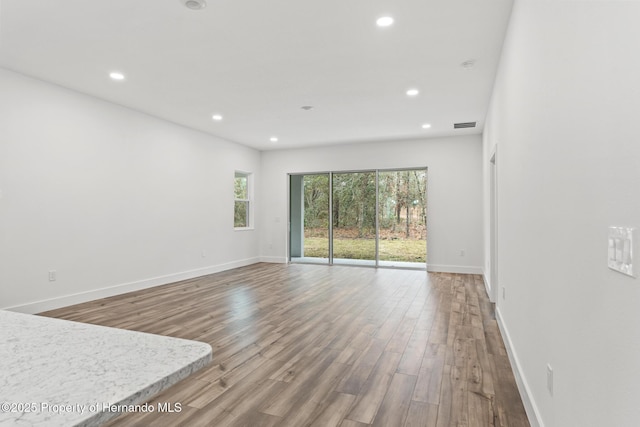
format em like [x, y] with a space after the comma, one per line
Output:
[621, 250]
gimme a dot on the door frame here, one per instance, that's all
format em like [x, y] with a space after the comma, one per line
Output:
[330, 216]
[493, 225]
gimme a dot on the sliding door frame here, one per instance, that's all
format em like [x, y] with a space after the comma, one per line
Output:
[330, 213]
[377, 207]
[377, 219]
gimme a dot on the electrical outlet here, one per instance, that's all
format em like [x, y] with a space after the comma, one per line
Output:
[550, 379]
[461, 252]
[52, 275]
[204, 254]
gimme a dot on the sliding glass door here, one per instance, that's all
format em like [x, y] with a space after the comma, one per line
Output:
[354, 218]
[372, 218]
[402, 218]
[309, 218]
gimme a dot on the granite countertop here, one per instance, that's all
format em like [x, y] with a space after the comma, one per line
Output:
[60, 373]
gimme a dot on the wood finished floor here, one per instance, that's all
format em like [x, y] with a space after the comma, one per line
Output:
[305, 345]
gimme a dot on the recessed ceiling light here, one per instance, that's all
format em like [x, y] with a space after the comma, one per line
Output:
[426, 126]
[273, 139]
[384, 21]
[116, 75]
[216, 117]
[413, 92]
[194, 4]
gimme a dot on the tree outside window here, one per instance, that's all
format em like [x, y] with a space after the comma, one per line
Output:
[242, 202]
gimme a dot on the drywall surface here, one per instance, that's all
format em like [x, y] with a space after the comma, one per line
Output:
[562, 114]
[454, 191]
[107, 196]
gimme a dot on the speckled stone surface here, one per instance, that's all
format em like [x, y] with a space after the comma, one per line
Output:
[59, 373]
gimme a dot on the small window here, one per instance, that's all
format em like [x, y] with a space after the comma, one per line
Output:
[242, 202]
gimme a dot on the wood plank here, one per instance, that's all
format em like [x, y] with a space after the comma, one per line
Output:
[319, 345]
[414, 352]
[370, 397]
[308, 404]
[356, 377]
[222, 398]
[430, 376]
[351, 423]
[422, 415]
[300, 387]
[393, 409]
[336, 408]
[446, 395]
[402, 335]
[236, 411]
[508, 407]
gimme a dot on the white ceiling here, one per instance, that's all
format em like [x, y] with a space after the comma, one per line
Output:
[257, 62]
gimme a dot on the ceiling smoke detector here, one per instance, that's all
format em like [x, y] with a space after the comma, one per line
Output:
[307, 107]
[468, 64]
[194, 4]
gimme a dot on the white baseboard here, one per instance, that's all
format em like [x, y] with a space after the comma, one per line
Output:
[487, 287]
[462, 269]
[80, 297]
[274, 259]
[530, 406]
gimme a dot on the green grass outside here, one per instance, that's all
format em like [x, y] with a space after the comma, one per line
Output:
[390, 250]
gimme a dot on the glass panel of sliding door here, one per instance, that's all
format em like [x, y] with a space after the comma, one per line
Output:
[309, 218]
[354, 218]
[402, 218]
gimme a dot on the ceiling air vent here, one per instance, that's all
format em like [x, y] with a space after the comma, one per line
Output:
[464, 125]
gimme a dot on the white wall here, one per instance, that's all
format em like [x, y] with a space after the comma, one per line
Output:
[107, 196]
[115, 200]
[564, 114]
[454, 199]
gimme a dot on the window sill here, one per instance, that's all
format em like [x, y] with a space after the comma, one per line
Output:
[243, 228]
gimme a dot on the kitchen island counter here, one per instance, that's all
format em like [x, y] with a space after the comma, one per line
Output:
[60, 373]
